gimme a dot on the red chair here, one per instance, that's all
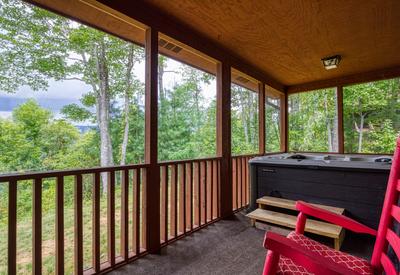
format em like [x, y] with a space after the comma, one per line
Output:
[297, 254]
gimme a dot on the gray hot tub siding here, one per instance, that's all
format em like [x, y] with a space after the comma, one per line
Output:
[357, 187]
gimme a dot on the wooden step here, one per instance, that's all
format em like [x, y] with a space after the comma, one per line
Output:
[312, 226]
[290, 204]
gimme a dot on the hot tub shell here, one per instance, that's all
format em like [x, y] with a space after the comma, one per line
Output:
[354, 182]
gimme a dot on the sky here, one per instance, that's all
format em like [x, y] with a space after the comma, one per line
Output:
[61, 93]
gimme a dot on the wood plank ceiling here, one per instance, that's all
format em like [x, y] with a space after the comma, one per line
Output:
[287, 39]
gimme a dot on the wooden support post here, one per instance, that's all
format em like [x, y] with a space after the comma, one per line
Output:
[284, 116]
[224, 137]
[261, 119]
[339, 102]
[152, 199]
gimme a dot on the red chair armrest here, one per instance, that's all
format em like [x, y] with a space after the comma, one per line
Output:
[312, 261]
[334, 218]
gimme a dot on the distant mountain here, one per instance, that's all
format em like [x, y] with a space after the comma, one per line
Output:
[84, 128]
[7, 104]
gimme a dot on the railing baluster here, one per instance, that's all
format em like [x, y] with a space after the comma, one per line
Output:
[182, 199]
[202, 192]
[60, 225]
[96, 223]
[125, 215]
[174, 201]
[12, 227]
[218, 187]
[78, 242]
[196, 192]
[205, 188]
[136, 212]
[240, 182]
[143, 189]
[247, 182]
[164, 204]
[37, 227]
[234, 183]
[209, 190]
[244, 181]
[214, 212]
[111, 217]
[189, 197]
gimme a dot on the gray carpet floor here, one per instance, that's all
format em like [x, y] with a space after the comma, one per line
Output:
[225, 247]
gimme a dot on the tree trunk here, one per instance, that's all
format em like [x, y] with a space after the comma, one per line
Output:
[360, 133]
[243, 116]
[361, 128]
[328, 124]
[197, 106]
[103, 112]
[128, 81]
[160, 79]
[335, 132]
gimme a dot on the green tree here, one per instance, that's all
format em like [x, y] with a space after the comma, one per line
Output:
[369, 110]
[272, 124]
[244, 120]
[38, 45]
[184, 115]
[312, 121]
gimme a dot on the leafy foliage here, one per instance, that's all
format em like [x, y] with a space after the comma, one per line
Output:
[244, 112]
[272, 124]
[371, 116]
[312, 121]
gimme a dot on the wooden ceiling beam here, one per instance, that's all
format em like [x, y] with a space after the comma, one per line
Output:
[346, 80]
[147, 14]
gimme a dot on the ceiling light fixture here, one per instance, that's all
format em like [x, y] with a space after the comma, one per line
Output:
[331, 62]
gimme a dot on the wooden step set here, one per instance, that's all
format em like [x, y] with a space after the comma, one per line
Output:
[312, 226]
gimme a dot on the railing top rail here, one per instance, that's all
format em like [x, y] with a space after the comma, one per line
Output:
[171, 162]
[246, 155]
[71, 172]
[63, 173]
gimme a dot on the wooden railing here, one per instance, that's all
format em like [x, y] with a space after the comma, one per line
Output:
[241, 181]
[189, 196]
[189, 200]
[132, 245]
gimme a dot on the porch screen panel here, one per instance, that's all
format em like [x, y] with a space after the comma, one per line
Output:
[187, 102]
[371, 116]
[313, 121]
[71, 97]
[273, 126]
[244, 114]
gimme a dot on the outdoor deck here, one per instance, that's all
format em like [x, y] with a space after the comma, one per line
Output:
[162, 183]
[225, 247]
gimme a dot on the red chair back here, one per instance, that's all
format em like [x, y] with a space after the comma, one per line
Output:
[390, 216]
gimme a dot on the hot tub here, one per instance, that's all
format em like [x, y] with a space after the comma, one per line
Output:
[354, 182]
